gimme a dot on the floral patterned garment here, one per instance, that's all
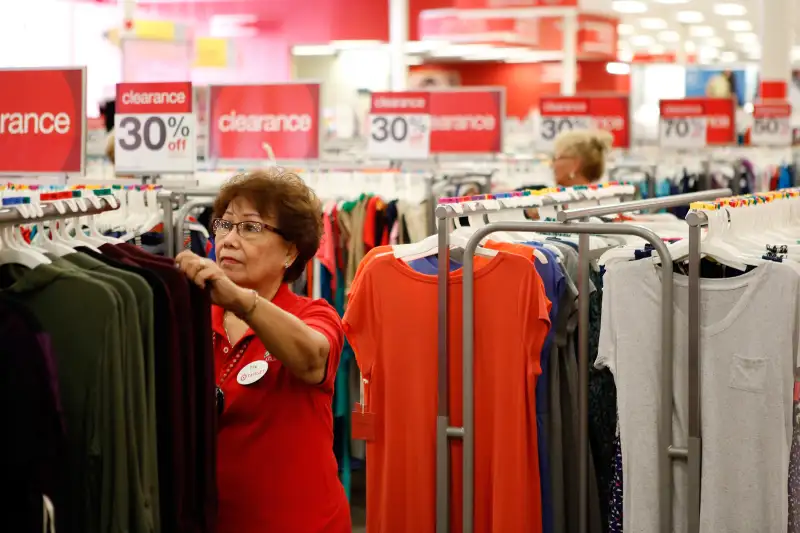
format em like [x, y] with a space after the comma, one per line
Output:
[615, 491]
[794, 475]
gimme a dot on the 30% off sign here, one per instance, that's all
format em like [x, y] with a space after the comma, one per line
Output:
[155, 130]
[399, 126]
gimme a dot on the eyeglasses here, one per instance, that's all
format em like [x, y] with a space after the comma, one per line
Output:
[246, 229]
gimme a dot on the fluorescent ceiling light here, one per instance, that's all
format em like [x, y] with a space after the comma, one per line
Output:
[656, 50]
[689, 17]
[620, 69]
[629, 6]
[625, 29]
[313, 50]
[652, 23]
[718, 42]
[350, 45]
[739, 25]
[708, 52]
[689, 47]
[701, 31]
[669, 36]
[728, 57]
[730, 10]
[671, 2]
[642, 40]
[746, 38]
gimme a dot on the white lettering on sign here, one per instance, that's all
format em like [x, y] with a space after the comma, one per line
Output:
[684, 110]
[133, 98]
[463, 123]
[232, 122]
[36, 123]
[610, 123]
[399, 103]
[719, 121]
[565, 107]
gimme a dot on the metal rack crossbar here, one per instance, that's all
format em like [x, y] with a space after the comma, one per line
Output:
[443, 429]
[11, 215]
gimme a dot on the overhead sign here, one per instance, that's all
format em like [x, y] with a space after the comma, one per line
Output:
[693, 123]
[772, 124]
[565, 113]
[154, 129]
[467, 120]
[400, 126]
[257, 122]
[42, 114]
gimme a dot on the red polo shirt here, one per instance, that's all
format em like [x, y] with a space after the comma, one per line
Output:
[276, 470]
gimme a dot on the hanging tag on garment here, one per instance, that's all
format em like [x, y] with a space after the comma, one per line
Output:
[252, 372]
[362, 424]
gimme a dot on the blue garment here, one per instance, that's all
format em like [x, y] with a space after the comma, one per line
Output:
[212, 253]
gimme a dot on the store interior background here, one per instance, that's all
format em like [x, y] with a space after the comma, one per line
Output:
[342, 43]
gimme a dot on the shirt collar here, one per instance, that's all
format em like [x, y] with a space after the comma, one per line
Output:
[283, 299]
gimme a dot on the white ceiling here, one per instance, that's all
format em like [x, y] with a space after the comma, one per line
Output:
[715, 30]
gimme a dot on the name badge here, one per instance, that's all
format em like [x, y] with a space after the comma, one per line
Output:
[252, 372]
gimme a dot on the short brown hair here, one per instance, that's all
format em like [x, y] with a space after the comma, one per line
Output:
[281, 194]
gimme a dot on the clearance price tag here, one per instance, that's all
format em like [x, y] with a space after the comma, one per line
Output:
[155, 129]
[772, 124]
[399, 126]
[682, 132]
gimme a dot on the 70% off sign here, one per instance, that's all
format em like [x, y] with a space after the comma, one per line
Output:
[154, 129]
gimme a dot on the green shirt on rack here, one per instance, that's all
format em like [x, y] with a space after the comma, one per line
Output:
[140, 387]
[83, 319]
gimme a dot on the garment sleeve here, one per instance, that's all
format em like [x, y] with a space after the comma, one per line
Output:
[607, 345]
[535, 314]
[359, 323]
[321, 317]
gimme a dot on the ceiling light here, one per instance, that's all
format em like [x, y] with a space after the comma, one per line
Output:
[739, 25]
[671, 2]
[625, 56]
[620, 69]
[642, 40]
[689, 17]
[746, 38]
[689, 47]
[730, 10]
[728, 57]
[669, 36]
[656, 50]
[701, 31]
[625, 29]
[708, 52]
[629, 6]
[718, 42]
[652, 23]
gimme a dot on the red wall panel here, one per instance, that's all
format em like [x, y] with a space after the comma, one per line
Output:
[525, 83]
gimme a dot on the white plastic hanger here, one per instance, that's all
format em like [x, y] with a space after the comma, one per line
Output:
[53, 245]
[712, 245]
[10, 254]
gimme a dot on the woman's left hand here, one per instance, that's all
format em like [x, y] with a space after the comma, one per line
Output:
[206, 273]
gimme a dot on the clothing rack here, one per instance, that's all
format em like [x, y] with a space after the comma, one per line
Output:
[12, 215]
[696, 220]
[444, 431]
[173, 230]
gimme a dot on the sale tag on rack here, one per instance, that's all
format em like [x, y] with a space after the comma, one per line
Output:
[694, 123]
[399, 126]
[568, 113]
[772, 124]
[155, 129]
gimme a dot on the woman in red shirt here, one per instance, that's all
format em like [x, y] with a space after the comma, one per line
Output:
[276, 356]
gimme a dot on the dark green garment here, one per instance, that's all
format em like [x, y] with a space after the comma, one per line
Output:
[138, 353]
[82, 317]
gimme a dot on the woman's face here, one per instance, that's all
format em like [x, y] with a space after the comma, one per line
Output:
[565, 169]
[251, 259]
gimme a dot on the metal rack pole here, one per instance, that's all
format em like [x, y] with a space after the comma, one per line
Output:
[583, 381]
[652, 203]
[696, 220]
[468, 331]
[443, 408]
[181, 218]
[165, 201]
[10, 215]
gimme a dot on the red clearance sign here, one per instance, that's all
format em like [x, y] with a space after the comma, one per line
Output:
[249, 122]
[688, 117]
[467, 120]
[610, 113]
[42, 114]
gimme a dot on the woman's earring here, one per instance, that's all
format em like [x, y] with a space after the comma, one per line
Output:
[571, 176]
[286, 264]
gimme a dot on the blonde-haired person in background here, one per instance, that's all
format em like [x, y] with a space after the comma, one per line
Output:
[110, 147]
[580, 156]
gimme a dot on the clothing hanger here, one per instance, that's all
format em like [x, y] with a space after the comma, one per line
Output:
[712, 245]
[54, 244]
[10, 254]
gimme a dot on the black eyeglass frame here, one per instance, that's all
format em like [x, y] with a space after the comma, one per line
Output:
[238, 225]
